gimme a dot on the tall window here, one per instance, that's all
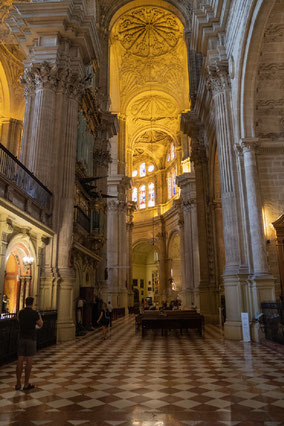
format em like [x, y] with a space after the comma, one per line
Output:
[172, 151]
[169, 186]
[174, 182]
[134, 194]
[151, 195]
[142, 197]
[142, 170]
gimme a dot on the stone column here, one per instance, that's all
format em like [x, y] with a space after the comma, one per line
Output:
[43, 121]
[29, 86]
[66, 327]
[190, 292]
[162, 256]
[112, 251]
[130, 225]
[235, 273]
[6, 228]
[262, 282]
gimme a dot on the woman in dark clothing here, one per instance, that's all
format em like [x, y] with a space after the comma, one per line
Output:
[104, 319]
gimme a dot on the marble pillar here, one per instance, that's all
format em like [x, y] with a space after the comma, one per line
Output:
[261, 281]
[235, 273]
[190, 291]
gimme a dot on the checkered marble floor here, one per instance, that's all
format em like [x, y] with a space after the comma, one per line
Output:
[154, 381]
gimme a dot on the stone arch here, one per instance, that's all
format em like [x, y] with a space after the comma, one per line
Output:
[23, 281]
[174, 262]
[250, 67]
[4, 94]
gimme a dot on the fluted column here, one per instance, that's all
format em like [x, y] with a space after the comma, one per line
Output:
[162, 256]
[112, 251]
[29, 86]
[190, 292]
[42, 132]
[262, 282]
[259, 255]
[6, 228]
[235, 273]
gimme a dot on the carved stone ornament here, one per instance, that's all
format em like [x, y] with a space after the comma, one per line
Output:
[249, 145]
[218, 77]
[113, 205]
[45, 76]
[149, 31]
[102, 157]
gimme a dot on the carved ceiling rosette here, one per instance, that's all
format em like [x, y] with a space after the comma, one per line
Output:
[148, 31]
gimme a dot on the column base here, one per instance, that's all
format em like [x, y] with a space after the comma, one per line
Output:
[262, 290]
[65, 331]
[187, 298]
[233, 330]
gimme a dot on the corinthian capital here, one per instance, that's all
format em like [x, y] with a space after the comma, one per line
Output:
[249, 145]
[218, 77]
[45, 76]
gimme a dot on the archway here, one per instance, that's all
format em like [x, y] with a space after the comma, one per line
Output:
[145, 273]
[174, 264]
[20, 274]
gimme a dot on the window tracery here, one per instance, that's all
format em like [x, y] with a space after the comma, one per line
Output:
[151, 194]
[142, 197]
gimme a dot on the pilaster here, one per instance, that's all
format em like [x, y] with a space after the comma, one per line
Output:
[235, 273]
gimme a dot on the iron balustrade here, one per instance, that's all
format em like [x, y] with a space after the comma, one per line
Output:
[14, 171]
[82, 219]
[9, 330]
[273, 321]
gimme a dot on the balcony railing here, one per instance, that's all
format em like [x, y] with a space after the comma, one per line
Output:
[82, 219]
[14, 171]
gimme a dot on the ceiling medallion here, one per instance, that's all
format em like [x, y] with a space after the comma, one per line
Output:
[149, 31]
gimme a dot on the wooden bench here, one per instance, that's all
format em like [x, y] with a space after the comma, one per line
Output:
[167, 320]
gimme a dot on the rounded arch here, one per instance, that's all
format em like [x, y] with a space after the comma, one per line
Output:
[123, 6]
[4, 94]
[249, 69]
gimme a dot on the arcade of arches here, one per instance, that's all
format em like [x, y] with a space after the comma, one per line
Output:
[142, 155]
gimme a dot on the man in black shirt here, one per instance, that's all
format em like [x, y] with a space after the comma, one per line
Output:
[28, 319]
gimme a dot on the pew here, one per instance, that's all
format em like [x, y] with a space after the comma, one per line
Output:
[167, 320]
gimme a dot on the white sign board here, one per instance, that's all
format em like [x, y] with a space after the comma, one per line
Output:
[245, 326]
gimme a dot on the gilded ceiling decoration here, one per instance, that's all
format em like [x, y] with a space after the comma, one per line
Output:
[153, 107]
[149, 31]
[154, 144]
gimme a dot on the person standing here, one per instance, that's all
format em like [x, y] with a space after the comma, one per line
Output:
[104, 320]
[110, 308]
[28, 320]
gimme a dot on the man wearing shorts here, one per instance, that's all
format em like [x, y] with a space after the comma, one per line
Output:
[28, 319]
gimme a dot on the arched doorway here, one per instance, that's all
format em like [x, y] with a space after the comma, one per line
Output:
[174, 264]
[20, 276]
[145, 273]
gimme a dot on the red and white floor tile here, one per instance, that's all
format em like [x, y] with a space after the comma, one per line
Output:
[150, 381]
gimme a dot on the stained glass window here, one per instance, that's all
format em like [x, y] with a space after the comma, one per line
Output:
[134, 173]
[174, 183]
[169, 186]
[142, 197]
[151, 168]
[151, 199]
[169, 157]
[134, 194]
[172, 151]
[142, 170]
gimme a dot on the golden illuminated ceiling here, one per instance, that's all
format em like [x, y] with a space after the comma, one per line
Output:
[149, 80]
[148, 32]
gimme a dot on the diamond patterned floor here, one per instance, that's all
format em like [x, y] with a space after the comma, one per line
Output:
[154, 381]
